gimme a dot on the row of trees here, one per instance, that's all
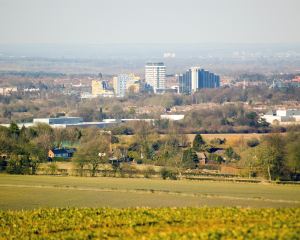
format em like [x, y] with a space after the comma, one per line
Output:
[277, 157]
[22, 150]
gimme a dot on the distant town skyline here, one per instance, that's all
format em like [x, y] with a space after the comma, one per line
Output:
[156, 21]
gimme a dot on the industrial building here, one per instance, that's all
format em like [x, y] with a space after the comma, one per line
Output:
[283, 116]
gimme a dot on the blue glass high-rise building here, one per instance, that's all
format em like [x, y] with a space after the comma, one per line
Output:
[203, 79]
[185, 82]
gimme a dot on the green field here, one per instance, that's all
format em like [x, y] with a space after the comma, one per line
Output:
[155, 223]
[29, 192]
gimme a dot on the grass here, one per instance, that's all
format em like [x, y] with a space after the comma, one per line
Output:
[29, 192]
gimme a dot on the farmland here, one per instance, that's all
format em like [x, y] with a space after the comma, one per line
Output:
[146, 223]
[29, 192]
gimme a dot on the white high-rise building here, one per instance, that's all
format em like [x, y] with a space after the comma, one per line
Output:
[123, 82]
[194, 78]
[155, 76]
[120, 84]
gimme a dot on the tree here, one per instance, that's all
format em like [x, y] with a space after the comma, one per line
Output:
[121, 151]
[36, 156]
[92, 152]
[143, 134]
[18, 164]
[86, 113]
[189, 158]
[79, 160]
[293, 156]
[249, 161]
[219, 159]
[45, 137]
[231, 154]
[198, 143]
[270, 155]
[14, 130]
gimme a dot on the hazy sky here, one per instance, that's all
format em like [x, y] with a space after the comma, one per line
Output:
[149, 21]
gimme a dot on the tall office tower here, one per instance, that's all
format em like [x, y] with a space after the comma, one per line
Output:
[120, 84]
[124, 83]
[216, 81]
[195, 78]
[155, 76]
[185, 82]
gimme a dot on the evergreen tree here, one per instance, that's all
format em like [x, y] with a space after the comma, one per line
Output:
[198, 143]
[14, 130]
[190, 158]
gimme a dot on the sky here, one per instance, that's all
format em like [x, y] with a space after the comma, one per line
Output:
[149, 21]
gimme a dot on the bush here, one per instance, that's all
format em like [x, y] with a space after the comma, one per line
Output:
[128, 169]
[218, 141]
[114, 139]
[253, 142]
[168, 174]
[58, 159]
[3, 163]
[18, 164]
[149, 171]
[52, 168]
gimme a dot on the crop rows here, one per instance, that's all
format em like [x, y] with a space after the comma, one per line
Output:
[151, 223]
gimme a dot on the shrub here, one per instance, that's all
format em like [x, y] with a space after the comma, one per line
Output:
[168, 174]
[52, 168]
[149, 171]
[126, 168]
[114, 139]
[253, 142]
[218, 141]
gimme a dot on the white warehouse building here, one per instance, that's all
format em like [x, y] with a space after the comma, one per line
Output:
[283, 116]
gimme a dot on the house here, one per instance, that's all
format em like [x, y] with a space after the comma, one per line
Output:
[202, 158]
[64, 153]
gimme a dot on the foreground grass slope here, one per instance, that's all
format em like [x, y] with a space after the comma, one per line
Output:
[145, 223]
[29, 192]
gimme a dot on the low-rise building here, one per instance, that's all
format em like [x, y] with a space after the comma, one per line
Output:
[172, 117]
[282, 116]
[101, 88]
[64, 153]
[59, 120]
[202, 158]
[8, 90]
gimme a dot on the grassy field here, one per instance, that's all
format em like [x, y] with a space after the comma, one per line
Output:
[29, 192]
[145, 223]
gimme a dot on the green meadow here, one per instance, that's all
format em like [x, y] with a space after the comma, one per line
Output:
[30, 192]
